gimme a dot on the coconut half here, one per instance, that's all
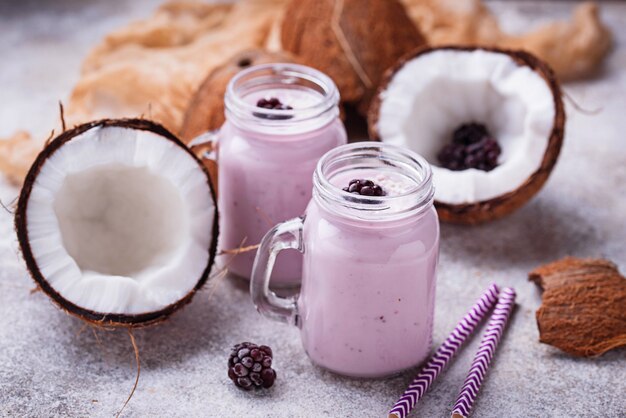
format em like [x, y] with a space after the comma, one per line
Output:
[117, 222]
[433, 91]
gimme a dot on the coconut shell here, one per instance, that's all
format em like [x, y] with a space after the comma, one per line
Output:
[21, 227]
[500, 206]
[583, 311]
[353, 41]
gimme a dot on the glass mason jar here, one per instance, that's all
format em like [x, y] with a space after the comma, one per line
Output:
[266, 156]
[366, 304]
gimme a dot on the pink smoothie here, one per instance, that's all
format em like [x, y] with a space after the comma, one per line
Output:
[266, 178]
[367, 301]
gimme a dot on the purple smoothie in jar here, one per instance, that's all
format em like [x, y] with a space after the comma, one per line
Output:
[366, 305]
[267, 156]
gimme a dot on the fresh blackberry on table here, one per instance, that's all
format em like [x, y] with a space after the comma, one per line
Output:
[472, 147]
[364, 188]
[250, 366]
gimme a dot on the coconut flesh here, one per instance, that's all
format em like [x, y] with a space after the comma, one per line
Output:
[426, 98]
[118, 223]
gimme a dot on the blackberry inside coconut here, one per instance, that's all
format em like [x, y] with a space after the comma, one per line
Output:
[117, 222]
[490, 122]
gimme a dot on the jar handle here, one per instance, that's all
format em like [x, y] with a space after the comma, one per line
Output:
[204, 146]
[285, 235]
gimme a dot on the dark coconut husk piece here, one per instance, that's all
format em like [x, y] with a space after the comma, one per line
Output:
[583, 311]
[103, 319]
[500, 206]
[353, 41]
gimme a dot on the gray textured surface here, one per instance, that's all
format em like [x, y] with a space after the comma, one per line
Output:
[51, 365]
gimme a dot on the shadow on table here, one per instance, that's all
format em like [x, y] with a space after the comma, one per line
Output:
[538, 233]
[611, 358]
[195, 328]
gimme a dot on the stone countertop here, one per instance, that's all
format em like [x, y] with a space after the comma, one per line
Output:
[53, 365]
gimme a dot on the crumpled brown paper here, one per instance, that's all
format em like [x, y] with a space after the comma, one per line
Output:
[574, 48]
[152, 67]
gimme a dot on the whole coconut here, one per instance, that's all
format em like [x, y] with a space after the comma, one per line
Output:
[353, 41]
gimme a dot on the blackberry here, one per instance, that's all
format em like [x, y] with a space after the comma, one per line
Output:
[472, 147]
[364, 187]
[275, 104]
[250, 366]
[272, 103]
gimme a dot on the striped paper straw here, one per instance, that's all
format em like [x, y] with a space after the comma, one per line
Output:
[444, 353]
[487, 348]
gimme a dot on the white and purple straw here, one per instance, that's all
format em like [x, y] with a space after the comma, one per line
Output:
[488, 345]
[444, 353]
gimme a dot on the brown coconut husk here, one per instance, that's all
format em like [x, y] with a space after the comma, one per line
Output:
[102, 319]
[500, 206]
[353, 41]
[583, 311]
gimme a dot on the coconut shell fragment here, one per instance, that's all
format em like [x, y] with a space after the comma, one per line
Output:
[584, 306]
[353, 41]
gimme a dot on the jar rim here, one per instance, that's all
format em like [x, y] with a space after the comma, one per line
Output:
[412, 201]
[281, 74]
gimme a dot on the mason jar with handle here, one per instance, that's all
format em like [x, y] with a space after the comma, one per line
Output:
[370, 244]
[280, 119]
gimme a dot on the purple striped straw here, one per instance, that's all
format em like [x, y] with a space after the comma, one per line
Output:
[487, 348]
[444, 353]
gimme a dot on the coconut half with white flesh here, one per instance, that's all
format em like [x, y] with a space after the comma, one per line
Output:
[430, 96]
[117, 222]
